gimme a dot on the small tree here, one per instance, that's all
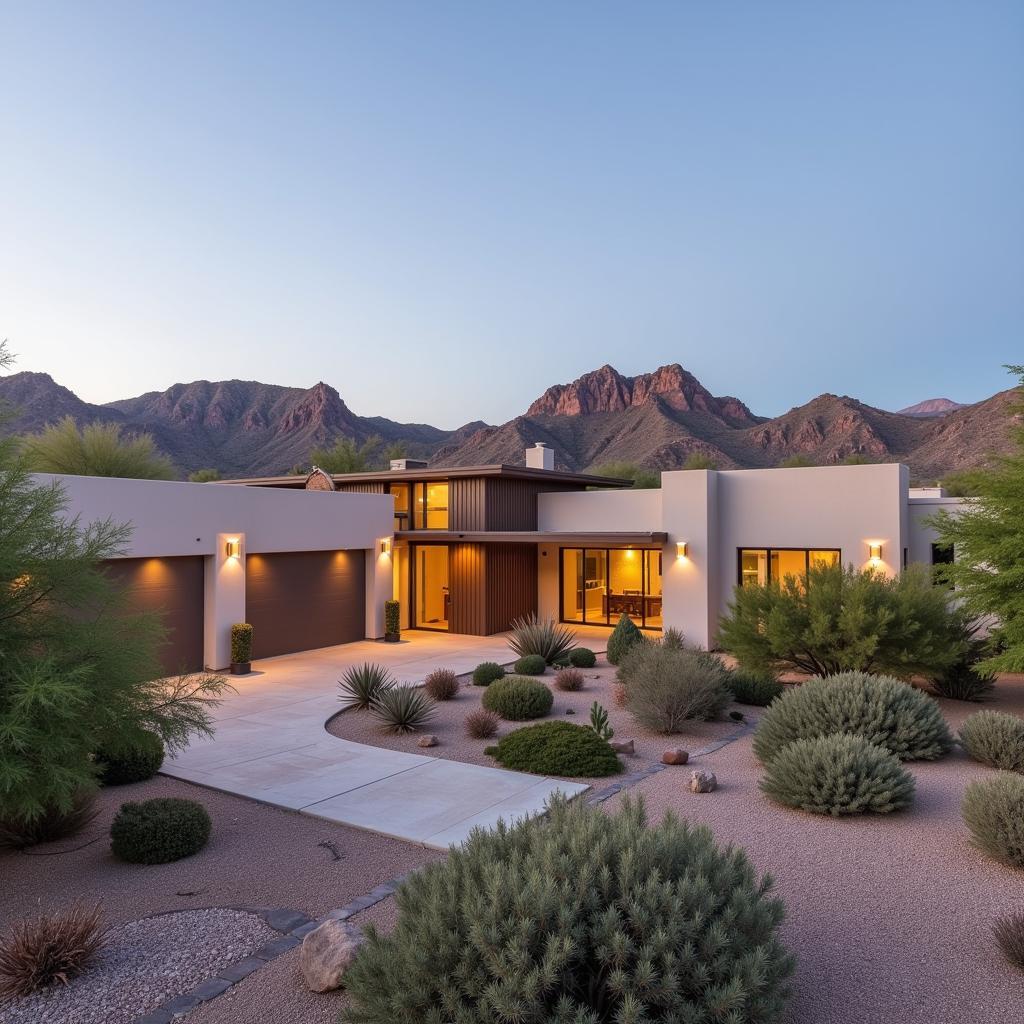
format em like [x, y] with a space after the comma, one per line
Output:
[698, 460]
[97, 449]
[345, 456]
[624, 636]
[643, 479]
[797, 462]
[204, 476]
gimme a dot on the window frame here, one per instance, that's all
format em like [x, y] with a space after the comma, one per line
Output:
[768, 559]
[645, 582]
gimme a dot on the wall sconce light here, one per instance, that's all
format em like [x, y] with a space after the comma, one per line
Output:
[233, 548]
[875, 552]
[385, 546]
[681, 549]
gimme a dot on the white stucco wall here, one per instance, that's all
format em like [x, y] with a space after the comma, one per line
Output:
[922, 533]
[594, 511]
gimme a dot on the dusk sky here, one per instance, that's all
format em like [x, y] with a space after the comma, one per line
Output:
[443, 208]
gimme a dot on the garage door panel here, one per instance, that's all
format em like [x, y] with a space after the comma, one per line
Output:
[302, 600]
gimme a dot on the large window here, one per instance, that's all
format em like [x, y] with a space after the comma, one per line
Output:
[433, 599]
[760, 565]
[431, 505]
[400, 492]
[598, 585]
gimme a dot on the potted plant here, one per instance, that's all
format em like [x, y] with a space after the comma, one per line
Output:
[392, 621]
[241, 649]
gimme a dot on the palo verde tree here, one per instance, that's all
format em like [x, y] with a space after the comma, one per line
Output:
[987, 536]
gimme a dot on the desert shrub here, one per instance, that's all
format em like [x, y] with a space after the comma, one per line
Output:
[843, 619]
[530, 665]
[402, 709]
[964, 682]
[582, 657]
[666, 687]
[599, 722]
[558, 748]
[589, 917]
[1009, 935]
[487, 672]
[241, 642]
[136, 762]
[996, 739]
[159, 831]
[362, 685]
[569, 679]
[673, 638]
[543, 637]
[884, 711]
[441, 684]
[482, 724]
[55, 822]
[994, 812]
[48, 949]
[624, 636]
[516, 699]
[838, 774]
[748, 688]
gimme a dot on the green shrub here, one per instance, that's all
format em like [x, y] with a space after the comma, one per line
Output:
[54, 822]
[996, 739]
[517, 699]
[884, 711]
[441, 684]
[362, 685]
[624, 636]
[582, 657]
[487, 672]
[841, 619]
[838, 774]
[994, 812]
[241, 643]
[1009, 935]
[482, 724]
[402, 709]
[588, 917]
[136, 762]
[748, 688]
[666, 687]
[159, 831]
[542, 637]
[392, 617]
[530, 665]
[599, 722]
[558, 748]
[673, 638]
[569, 679]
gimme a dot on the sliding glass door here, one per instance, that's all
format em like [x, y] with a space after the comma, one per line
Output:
[432, 598]
[598, 585]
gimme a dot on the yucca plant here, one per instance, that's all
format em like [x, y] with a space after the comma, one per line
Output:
[402, 709]
[362, 684]
[543, 637]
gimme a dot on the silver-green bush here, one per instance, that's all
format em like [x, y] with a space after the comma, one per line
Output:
[402, 709]
[517, 698]
[994, 812]
[666, 686]
[996, 739]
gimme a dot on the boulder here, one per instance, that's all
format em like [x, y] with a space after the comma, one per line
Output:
[702, 781]
[427, 740]
[326, 953]
[622, 747]
[675, 756]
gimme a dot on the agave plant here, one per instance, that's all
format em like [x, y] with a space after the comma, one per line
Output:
[403, 709]
[533, 635]
[362, 685]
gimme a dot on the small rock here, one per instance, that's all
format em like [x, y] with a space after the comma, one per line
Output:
[736, 716]
[702, 781]
[427, 740]
[675, 756]
[622, 747]
[569, 711]
[326, 954]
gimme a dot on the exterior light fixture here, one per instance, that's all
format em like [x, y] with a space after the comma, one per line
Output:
[681, 549]
[385, 546]
[875, 552]
[233, 548]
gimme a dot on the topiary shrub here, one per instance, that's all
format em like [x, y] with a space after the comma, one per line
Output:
[1009, 935]
[134, 763]
[994, 812]
[402, 709]
[487, 672]
[517, 699]
[588, 917]
[569, 679]
[482, 724]
[558, 748]
[159, 831]
[543, 637]
[530, 665]
[667, 687]
[441, 684]
[361, 685]
[748, 688]
[52, 823]
[392, 618]
[884, 711]
[838, 774]
[582, 657]
[996, 739]
[241, 643]
[624, 636]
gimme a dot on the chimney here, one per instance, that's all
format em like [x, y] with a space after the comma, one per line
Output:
[400, 465]
[540, 456]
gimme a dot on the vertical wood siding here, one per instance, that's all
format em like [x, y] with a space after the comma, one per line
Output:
[511, 590]
[378, 487]
[467, 583]
[467, 503]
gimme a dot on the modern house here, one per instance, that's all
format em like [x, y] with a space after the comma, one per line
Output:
[311, 560]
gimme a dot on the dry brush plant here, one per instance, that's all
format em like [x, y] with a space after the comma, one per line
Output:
[543, 637]
[441, 684]
[994, 812]
[1008, 931]
[666, 687]
[569, 679]
[996, 739]
[482, 724]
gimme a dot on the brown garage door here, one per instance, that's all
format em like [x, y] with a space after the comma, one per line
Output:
[301, 600]
[173, 587]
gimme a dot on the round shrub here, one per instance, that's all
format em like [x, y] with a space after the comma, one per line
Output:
[516, 699]
[996, 739]
[582, 657]
[838, 774]
[135, 763]
[160, 830]
[530, 665]
[487, 672]
[994, 812]
[884, 711]
[748, 688]
[569, 679]
[624, 636]
[558, 748]
[689, 928]
[482, 724]
[666, 687]
[441, 684]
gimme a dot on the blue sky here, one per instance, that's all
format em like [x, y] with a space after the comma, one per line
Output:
[441, 208]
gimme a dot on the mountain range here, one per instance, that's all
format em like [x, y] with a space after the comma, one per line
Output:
[657, 420]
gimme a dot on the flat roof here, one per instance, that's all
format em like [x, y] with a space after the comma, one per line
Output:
[602, 538]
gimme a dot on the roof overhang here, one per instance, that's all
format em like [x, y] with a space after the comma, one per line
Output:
[615, 538]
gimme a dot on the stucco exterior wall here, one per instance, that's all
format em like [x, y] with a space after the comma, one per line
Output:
[922, 533]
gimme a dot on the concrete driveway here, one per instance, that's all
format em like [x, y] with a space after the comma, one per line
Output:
[270, 744]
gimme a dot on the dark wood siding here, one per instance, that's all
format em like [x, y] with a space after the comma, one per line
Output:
[364, 488]
[512, 504]
[467, 583]
[301, 600]
[511, 584]
[172, 587]
[467, 503]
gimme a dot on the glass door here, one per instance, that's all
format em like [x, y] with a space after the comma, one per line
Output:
[432, 597]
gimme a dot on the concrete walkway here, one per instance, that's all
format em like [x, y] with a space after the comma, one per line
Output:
[270, 744]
